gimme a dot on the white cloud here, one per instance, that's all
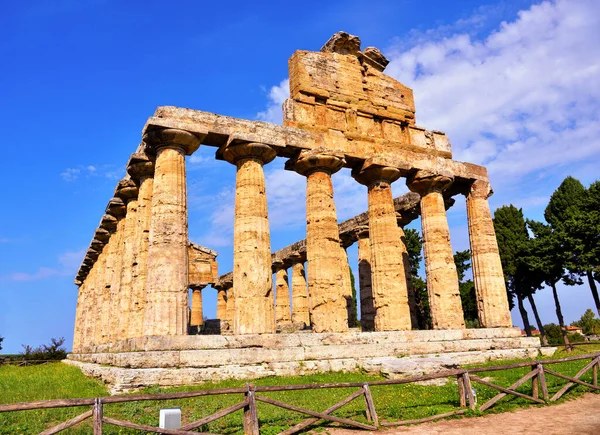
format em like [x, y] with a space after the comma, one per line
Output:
[68, 263]
[524, 99]
[277, 95]
[112, 172]
[70, 174]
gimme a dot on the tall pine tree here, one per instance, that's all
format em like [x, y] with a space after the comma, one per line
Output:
[573, 212]
[546, 260]
[513, 241]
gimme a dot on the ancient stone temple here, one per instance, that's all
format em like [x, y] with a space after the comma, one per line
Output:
[139, 317]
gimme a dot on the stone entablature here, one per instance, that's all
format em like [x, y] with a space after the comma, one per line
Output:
[343, 111]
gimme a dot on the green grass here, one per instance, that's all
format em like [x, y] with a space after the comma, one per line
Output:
[394, 402]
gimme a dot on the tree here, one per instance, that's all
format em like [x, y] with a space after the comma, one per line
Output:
[414, 247]
[588, 323]
[352, 310]
[52, 351]
[546, 258]
[512, 237]
[573, 212]
[462, 260]
[1, 340]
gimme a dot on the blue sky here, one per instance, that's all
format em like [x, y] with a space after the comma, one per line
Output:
[516, 86]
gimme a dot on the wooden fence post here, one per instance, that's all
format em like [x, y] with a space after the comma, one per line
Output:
[250, 414]
[370, 405]
[595, 372]
[469, 390]
[542, 379]
[535, 392]
[97, 415]
[461, 391]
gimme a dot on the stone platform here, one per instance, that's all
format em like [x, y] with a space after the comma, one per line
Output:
[185, 360]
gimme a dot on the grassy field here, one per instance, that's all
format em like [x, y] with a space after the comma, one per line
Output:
[57, 380]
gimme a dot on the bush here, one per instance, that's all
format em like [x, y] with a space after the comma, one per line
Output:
[554, 335]
[52, 351]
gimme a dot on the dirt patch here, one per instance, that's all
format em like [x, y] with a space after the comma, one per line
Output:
[579, 416]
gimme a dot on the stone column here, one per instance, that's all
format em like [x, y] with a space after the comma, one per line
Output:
[230, 311]
[108, 297]
[412, 297]
[101, 291]
[252, 275]
[442, 279]
[390, 294]
[367, 308]
[326, 263]
[80, 315]
[128, 192]
[197, 315]
[141, 170]
[167, 280]
[300, 310]
[492, 302]
[282, 294]
[350, 301]
[221, 303]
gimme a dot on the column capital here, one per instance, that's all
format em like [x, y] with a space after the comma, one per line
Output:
[116, 208]
[424, 182]
[297, 257]
[480, 189]
[279, 265]
[309, 161]
[97, 245]
[173, 138]
[126, 190]
[347, 240]
[140, 165]
[237, 152]
[362, 232]
[108, 223]
[371, 173]
[102, 235]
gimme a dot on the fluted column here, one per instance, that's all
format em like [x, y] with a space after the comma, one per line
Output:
[128, 192]
[442, 279]
[490, 289]
[390, 293]
[110, 302]
[300, 305]
[101, 294]
[94, 284]
[412, 296]
[141, 170]
[327, 266]
[196, 318]
[350, 300]
[282, 294]
[80, 315]
[221, 304]
[230, 311]
[93, 325]
[367, 308]
[166, 311]
[252, 275]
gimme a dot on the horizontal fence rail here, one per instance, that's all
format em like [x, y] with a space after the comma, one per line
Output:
[464, 380]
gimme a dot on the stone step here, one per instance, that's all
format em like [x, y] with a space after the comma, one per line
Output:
[260, 355]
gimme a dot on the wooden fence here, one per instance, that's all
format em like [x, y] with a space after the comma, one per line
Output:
[251, 394]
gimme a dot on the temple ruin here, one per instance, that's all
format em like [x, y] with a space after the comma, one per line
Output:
[133, 309]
